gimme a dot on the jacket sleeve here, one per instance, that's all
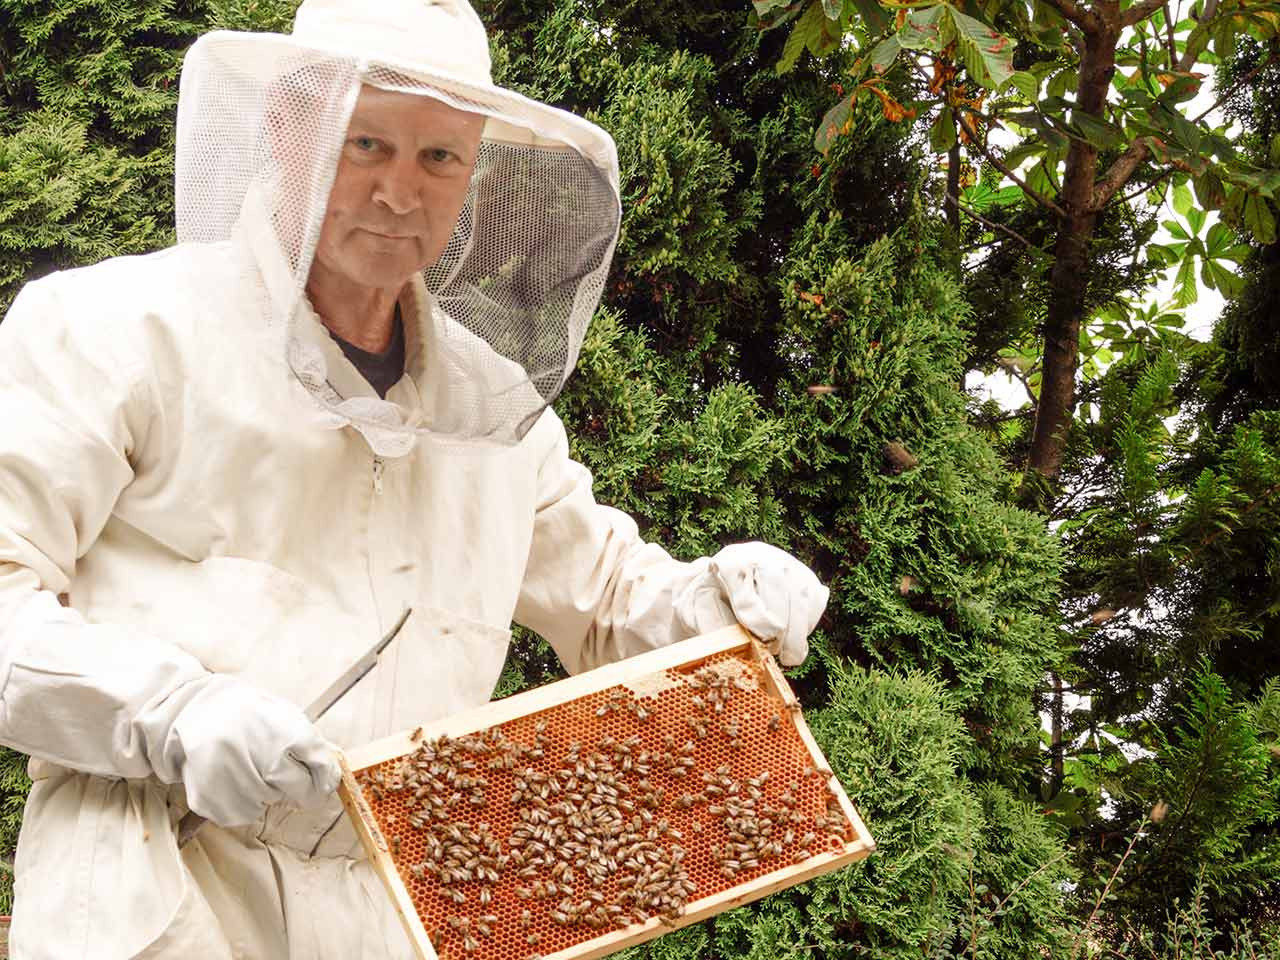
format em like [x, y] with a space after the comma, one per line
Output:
[593, 588]
[76, 401]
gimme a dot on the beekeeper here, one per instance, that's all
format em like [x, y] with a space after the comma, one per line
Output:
[227, 467]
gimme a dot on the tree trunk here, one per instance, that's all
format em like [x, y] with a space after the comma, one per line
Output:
[952, 206]
[953, 190]
[1056, 749]
[1069, 279]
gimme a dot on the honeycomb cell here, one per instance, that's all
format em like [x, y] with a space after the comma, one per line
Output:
[602, 812]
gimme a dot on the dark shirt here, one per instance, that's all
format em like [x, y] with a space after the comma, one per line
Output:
[382, 370]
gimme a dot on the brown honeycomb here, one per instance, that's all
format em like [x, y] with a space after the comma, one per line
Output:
[598, 813]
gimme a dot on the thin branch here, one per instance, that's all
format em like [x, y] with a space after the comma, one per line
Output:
[1240, 82]
[1027, 880]
[1005, 169]
[969, 211]
[1118, 174]
[1147, 186]
[1012, 370]
[1173, 42]
[1140, 11]
[1075, 947]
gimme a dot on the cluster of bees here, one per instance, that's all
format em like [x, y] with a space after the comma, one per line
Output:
[591, 844]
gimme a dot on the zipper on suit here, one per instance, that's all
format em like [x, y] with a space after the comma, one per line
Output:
[378, 466]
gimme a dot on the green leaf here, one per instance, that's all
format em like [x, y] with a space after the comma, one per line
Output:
[942, 135]
[873, 15]
[1196, 217]
[1026, 84]
[988, 54]
[1101, 133]
[832, 8]
[1185, 292]
[765, 7]
[1273, 153]
[1183, 88]
[835, 123]
[923, 29]
[1136, 95]
[1182, 199]
[1259, 219]
[983, 196]
[1175, 229]
[1022, 152]
[1060, 83]
[1184, 132]
[1209, 190]
[806, 33]
[1218, 277]
[884, 53]
[1042, 180]
[1224, 38]
[1162, 255]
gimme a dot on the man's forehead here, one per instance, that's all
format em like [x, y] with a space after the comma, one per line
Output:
[412, 112]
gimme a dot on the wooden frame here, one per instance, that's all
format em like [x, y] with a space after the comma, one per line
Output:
[679, 655]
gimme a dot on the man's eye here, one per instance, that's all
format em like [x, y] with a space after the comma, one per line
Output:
[364, 144]
[439, 155]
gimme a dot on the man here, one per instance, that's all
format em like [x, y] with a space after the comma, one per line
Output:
[227, 467]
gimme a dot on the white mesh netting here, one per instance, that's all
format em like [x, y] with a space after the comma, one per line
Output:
[261, 123]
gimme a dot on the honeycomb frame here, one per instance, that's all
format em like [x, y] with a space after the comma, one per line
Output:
[683, 841]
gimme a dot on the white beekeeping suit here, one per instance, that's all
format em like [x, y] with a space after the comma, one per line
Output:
[206, 513]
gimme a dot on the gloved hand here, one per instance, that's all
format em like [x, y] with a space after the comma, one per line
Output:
[765, 589]
[236, 749]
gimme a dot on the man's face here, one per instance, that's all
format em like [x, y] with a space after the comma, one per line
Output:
[402, 178]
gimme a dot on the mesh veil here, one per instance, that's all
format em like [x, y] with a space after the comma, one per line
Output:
[261, 122]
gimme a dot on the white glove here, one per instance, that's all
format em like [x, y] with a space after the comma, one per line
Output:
[765, 589]
[236, 749]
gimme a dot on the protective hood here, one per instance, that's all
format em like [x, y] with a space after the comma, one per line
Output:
[262, 120]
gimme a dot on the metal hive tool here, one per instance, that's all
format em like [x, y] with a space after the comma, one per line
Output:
[598, 812]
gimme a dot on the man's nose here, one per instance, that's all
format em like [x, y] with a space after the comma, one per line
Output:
[397, 189]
